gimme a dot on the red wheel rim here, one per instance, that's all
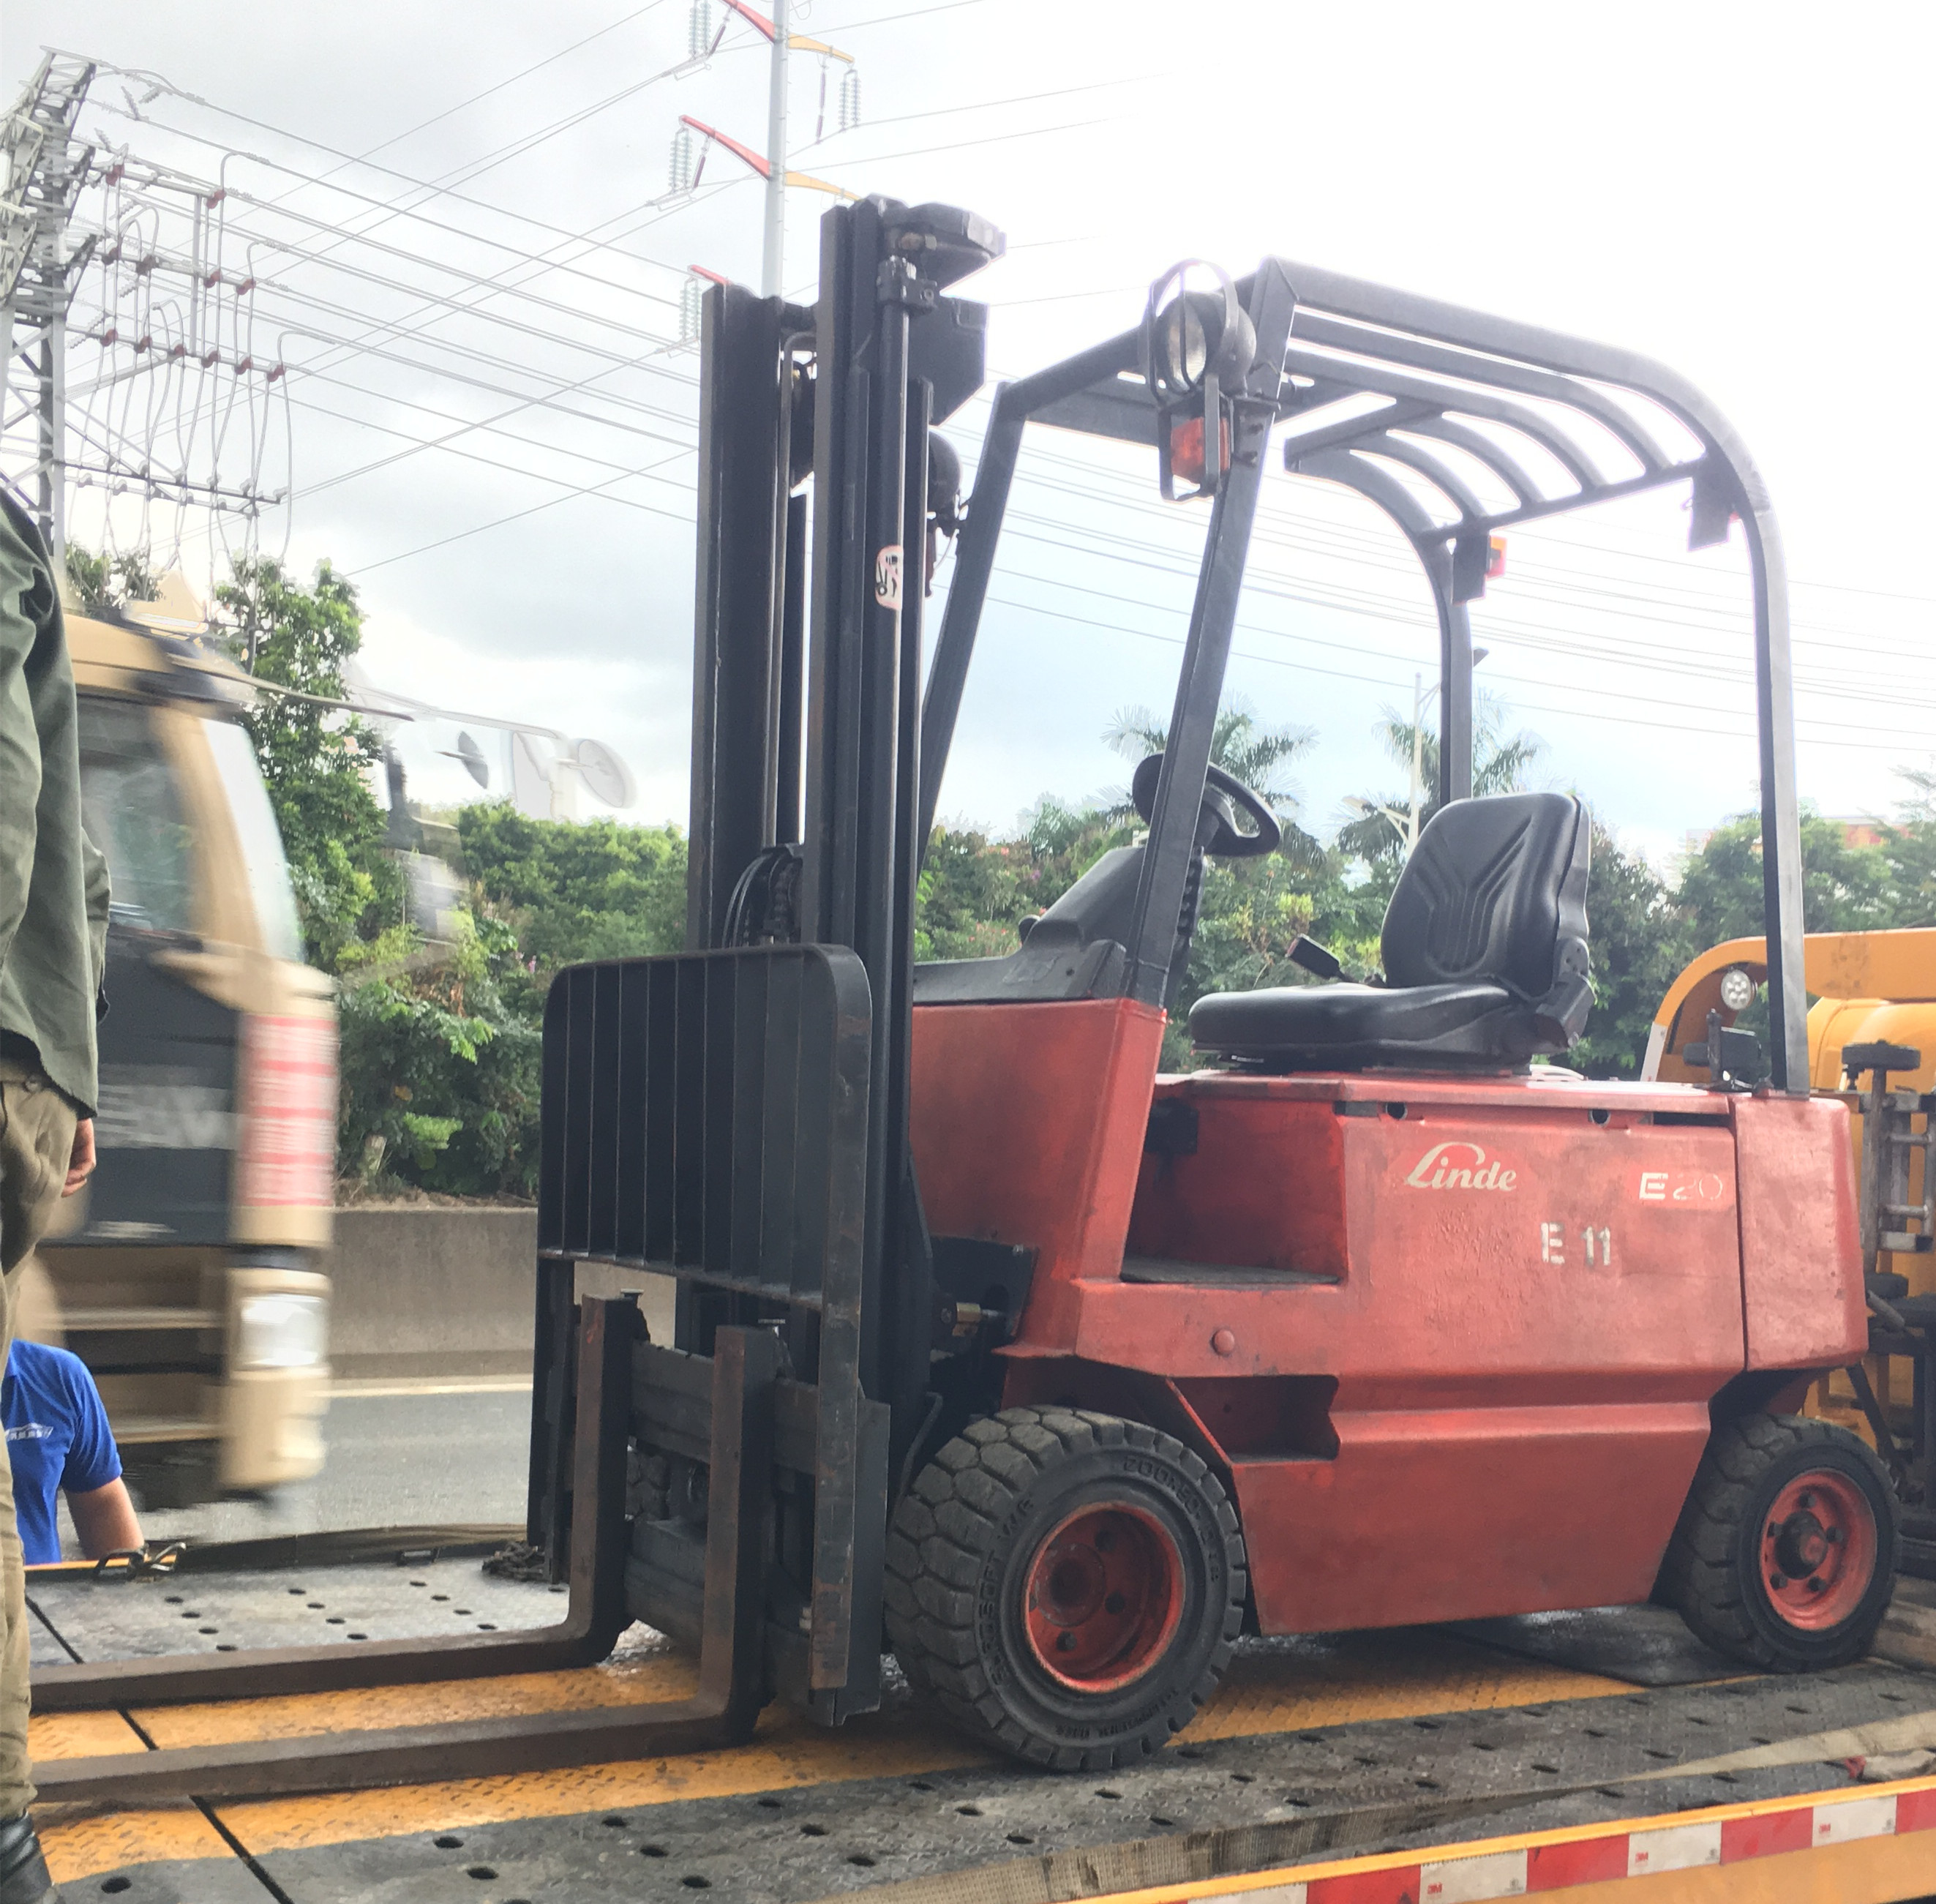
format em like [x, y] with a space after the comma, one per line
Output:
[1104, 1598]
[1818, 1550]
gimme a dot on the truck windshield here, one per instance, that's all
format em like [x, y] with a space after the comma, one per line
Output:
[261, 839]
[132, 808]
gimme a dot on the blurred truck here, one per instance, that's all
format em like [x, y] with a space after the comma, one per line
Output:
[190, 1275]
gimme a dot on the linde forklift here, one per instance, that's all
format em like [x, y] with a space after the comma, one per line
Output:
[993, 1347]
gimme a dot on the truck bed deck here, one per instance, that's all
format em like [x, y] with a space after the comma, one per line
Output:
[1345, 1747]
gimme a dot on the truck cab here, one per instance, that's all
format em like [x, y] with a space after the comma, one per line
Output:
[189, 1276]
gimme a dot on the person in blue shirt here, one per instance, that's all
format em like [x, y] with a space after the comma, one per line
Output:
[57, 1440]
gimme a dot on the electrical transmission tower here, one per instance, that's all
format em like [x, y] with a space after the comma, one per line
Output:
[101, 249]
[46, 168]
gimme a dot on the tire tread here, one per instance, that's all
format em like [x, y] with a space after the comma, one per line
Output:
[941, 1532]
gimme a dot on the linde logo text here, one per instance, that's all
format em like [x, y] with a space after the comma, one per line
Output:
[1459, 1166]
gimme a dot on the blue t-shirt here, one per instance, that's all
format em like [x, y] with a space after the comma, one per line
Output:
[57, 1436]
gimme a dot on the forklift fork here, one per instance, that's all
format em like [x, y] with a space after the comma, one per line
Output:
[731, 1668]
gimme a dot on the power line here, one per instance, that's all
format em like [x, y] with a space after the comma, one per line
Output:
[523, 73]
[334, 152]
[518, 516]
[1271, 661]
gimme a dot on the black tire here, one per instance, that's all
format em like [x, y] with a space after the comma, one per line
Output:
[972, 1574]
[1746, 1582]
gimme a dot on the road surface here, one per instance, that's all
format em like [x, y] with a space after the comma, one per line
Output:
[399, 1456]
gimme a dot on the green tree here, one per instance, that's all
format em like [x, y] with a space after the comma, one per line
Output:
[315, 758]
[1639, 942]
[577, 889]
[975, 890]
[440, 1074]
[1910, 846]
[1499, 763]
[102, 582]
[1244, 748]
[1844, 888]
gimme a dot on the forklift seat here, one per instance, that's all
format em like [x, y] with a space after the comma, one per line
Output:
[1484, 948]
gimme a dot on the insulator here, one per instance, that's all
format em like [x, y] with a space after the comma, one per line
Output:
[689, 295]
[850, 99]
[685, 152]
[699, 30]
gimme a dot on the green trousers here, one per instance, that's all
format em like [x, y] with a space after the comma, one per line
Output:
[36, 1140]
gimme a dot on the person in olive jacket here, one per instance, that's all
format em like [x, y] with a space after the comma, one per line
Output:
[53, 940]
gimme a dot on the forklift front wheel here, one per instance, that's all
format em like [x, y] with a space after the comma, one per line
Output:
[1067, 1585]
[1785, 1555]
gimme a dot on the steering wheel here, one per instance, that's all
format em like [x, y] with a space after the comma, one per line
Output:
[1224, 798]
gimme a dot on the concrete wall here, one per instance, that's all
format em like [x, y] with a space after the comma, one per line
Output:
[428, 1291]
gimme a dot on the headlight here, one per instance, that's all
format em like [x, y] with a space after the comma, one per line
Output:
[1737, 989]
[281, 1332]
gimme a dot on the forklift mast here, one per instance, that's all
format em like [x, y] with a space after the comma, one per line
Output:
[775, 1153]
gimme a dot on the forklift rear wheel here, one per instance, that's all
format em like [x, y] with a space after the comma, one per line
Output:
[1785, 1556]
[1067, 1585]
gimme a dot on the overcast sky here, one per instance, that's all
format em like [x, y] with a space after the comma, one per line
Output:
[1741, 193]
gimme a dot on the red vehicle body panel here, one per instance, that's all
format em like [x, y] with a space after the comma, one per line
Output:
[1027, 1123]
[1492, 1393]
[1802, 1256]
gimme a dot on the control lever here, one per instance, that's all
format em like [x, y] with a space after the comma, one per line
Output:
[1319, 960]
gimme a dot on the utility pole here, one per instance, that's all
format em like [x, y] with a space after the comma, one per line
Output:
[1418, 763]
[773, 252]
[688, 166]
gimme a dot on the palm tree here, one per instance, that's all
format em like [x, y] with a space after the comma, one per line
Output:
[1499, 764]
[1244, 748]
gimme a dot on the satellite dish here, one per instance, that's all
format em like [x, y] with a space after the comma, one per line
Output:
[472, 756]
[608, 776]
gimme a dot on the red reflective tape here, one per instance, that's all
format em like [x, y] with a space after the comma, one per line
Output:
[1915, 1810]
[1772, 1832]
[1398, 1887]
[1586, 1861]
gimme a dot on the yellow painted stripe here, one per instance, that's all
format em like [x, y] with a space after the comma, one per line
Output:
[1286, 1686]
[1787, 1878]
[644, 1682]
[81, 1839]
[53, 1735]
[1873, 1871]
[787, 1753]
[1290, 1687]
[374, 1387]
[1404, 1672]
[80, 1842]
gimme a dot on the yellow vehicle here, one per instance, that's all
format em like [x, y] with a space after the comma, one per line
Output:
[1868, 987]
[189, 1276]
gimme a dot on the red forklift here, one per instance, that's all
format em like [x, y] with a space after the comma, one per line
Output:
[997, 1350]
